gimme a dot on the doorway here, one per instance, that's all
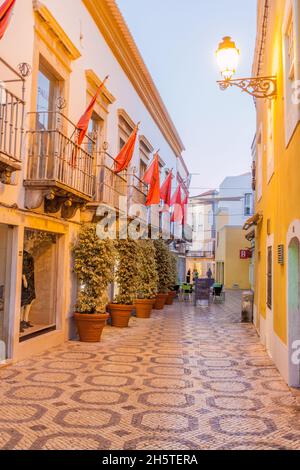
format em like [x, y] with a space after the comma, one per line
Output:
[294, 312]
[5, 273]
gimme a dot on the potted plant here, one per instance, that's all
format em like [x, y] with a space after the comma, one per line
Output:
[173, 279]
[126, 277]
[147, 279]
[163, 269]
[94, 261]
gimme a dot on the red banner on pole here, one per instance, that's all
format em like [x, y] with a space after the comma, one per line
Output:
[84, 121]
[125, 156]
[152, 177]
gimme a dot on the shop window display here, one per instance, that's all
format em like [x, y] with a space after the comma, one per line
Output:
[39, 283]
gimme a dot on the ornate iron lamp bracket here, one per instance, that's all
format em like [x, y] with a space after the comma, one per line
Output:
[259, 87]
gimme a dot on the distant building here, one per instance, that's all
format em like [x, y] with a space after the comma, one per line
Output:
[201, 217]
[235, 206]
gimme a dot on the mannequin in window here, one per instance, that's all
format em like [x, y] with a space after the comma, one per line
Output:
[28, 290]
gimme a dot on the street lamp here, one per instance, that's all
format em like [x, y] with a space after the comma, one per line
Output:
[228, 58]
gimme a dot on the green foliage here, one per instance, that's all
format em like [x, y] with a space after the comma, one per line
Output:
[127, 271]
[164, 268]
[148, 277]
[174, 271]
[94, 262]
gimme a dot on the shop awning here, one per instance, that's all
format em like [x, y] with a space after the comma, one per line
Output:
[254, 220]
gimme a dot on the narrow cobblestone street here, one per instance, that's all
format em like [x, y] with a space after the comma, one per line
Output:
[185, 379]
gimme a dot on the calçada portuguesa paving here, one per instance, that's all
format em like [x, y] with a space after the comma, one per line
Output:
[185, 379]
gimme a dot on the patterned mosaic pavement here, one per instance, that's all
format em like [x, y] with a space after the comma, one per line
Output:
[185, 379]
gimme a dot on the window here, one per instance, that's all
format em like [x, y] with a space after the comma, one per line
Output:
[47, 93]
[270, 140]
[194, 221]
[125, 131]
[161, 167]
[126, 127]
[259, 173]
[145, 149]
[38, 283]
[291, 45]
[143, 168]
[291, 48]
[95, 134]
[269, 277]
[5, 257]
[248, 204]
[220, 272]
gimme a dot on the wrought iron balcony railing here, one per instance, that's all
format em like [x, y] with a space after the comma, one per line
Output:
[109, 186]
[137, 190]
[12, 109]
[56, 164]
[201, 254]
[137, 195]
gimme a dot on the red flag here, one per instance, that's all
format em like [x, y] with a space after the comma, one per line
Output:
[124, 158]
[184, 207]
[176, 201]
[84, 121]
[5, 14]
[176, 198]
[165, 190]
[152, 177]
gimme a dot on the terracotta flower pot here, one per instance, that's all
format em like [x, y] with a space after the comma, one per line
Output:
[143, 308]
[90, 327]
[120, 315]
[170, 298]
[160, 301]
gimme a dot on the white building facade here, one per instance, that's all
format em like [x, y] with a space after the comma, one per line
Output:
[49, 186]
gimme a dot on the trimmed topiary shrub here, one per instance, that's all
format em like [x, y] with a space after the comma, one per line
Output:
[147, 270]
[174, 271]
[127, 271]
[164, 268]
[94, 262]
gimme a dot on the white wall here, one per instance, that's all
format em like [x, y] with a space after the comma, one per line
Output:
[235, 186]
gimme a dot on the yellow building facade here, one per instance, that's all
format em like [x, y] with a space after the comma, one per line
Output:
[231, 270]
[277, 167]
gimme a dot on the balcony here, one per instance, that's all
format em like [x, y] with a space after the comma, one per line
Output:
[201, 254]
[137, 195]
[109, 188]
[60, 173]
[12, 109]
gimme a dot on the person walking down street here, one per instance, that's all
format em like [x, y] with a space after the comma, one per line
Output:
[188, 277]
[209, 273]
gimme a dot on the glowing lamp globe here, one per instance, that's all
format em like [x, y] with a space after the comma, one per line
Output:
[227, 57]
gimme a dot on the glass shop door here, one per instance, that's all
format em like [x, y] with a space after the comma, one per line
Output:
[5, 264]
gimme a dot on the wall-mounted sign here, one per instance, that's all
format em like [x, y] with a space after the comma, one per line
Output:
[245, 254]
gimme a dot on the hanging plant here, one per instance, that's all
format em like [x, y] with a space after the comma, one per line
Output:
[147, 269]
[94, 262]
